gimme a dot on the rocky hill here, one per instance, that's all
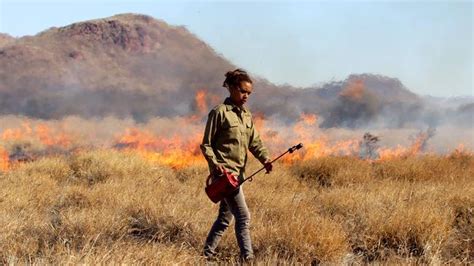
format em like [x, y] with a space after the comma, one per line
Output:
[123, 65]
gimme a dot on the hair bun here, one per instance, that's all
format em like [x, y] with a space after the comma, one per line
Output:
[236, 76]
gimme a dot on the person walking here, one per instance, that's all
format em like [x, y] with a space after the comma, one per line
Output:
[229, 134]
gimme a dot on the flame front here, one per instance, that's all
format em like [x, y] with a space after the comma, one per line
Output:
[46, 137]
[178, 144]
[417, 147]
[175, 151]
[41, 133]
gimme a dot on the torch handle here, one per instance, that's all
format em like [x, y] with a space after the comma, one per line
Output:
[290, 150]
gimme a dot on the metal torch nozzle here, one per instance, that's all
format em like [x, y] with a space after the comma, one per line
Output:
[296, 147]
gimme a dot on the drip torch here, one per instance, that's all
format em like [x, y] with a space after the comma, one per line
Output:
[227, 183]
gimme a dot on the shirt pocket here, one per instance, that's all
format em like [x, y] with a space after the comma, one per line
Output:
[230, 130]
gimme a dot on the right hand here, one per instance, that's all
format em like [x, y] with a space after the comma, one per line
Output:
[219, 169]
[268, 166]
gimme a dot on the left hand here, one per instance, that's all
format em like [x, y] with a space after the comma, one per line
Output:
[268, 166]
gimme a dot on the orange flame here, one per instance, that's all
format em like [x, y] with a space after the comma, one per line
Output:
[259, 121]
[309, 119]
[392, 153]
[176, 159]
[414, 149]
[4, 160]
[42, 133]
[49, 139]
[175, 151]
[201, 106]
[316, 143]
[200, 100]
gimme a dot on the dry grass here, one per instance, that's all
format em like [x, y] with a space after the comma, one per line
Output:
[106, 206]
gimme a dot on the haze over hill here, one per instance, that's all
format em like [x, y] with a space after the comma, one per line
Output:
[136, 66]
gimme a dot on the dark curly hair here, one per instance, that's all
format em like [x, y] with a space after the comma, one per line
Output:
[235, 77]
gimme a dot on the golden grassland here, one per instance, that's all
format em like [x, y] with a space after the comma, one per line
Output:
[106, 206]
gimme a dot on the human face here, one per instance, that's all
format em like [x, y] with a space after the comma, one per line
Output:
[240, 95]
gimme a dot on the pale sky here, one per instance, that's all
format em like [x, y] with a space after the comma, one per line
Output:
[428, 45]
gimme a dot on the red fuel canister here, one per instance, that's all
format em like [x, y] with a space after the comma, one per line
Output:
[222, 186]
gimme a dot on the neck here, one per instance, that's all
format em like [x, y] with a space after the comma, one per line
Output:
[240, 106]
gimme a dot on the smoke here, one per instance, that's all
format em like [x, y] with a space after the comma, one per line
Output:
[142, 83]
[355, 106]
[107, 117]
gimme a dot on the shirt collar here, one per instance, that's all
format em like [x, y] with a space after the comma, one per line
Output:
[230, 105]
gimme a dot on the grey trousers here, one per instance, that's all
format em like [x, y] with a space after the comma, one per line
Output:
[232, 206]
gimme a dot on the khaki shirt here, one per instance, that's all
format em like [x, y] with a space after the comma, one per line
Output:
[229, 134]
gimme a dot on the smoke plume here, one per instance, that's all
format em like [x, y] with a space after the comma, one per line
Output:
[131, 81]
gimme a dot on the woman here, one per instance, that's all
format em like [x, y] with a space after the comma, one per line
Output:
[229, 134]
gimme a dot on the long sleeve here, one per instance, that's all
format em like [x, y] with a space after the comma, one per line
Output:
[256, 146]
[209, 133]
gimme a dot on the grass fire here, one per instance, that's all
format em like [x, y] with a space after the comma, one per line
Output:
[100, 162]
[92, 191]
